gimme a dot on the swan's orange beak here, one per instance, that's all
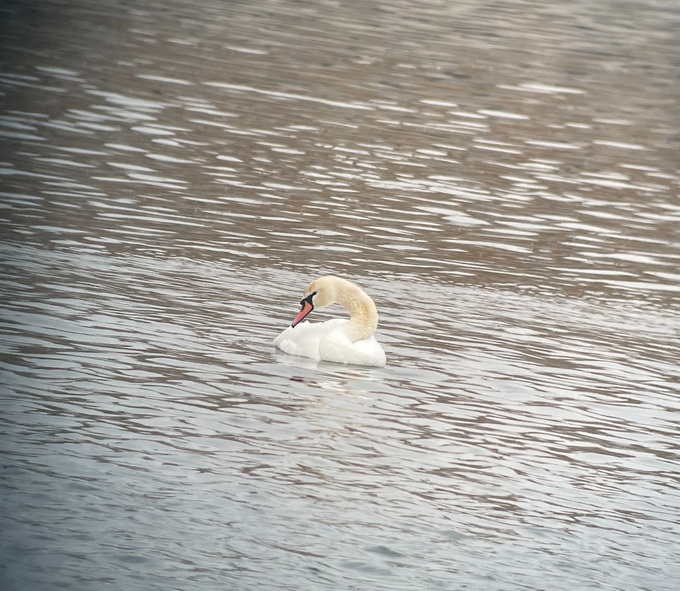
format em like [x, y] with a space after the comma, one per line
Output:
[307, 307]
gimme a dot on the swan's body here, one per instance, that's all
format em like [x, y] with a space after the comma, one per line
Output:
[342, 341]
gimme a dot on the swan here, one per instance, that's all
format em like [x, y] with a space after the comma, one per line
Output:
[339, 340]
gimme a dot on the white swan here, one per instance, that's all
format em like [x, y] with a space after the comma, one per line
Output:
[342, 341]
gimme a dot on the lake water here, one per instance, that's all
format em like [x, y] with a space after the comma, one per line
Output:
[501, 177]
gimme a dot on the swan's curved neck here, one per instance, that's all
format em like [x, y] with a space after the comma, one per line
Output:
[363, 315]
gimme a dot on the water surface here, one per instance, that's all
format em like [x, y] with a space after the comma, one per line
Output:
[501, 178]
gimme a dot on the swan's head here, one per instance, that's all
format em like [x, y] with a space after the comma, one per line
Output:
[318, 294]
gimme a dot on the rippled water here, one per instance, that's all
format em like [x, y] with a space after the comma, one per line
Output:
[501, 177]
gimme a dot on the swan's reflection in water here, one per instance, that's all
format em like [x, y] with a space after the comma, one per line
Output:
[348, 380]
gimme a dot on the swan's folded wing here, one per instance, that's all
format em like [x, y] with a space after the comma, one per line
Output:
[304, 339]
[338, 348]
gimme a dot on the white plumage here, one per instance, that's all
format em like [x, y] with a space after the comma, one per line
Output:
[338, 340]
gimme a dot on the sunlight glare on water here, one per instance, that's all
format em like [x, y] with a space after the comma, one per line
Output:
[502, 179]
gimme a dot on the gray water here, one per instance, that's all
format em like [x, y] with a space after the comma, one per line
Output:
[502, 178]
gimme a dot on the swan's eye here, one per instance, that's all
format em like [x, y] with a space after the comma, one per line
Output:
[308, 299]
